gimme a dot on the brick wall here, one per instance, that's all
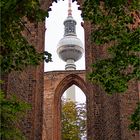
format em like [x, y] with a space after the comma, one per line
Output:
[28, 85]
[107, 115]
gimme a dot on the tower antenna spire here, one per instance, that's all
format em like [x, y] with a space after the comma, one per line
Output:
[69, 8]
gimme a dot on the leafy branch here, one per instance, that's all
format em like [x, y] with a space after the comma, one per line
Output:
[115, 25]
[16, 51]
[112, 20]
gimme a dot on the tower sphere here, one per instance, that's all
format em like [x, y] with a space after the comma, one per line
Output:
[70, 47]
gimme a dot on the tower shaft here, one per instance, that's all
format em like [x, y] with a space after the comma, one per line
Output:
[70, 93]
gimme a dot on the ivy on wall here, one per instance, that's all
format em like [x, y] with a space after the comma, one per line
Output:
[113, 22]
[116, 21]
[16, 52]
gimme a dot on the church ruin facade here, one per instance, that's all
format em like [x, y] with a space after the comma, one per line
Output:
[107, 116]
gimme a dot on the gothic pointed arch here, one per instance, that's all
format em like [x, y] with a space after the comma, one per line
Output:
[62, 86]
[68, 81]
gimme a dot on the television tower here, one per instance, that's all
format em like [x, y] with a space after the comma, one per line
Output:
[70, 48]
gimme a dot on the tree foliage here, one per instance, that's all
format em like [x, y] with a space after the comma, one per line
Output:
[73, 120]
[113, 22]
[12, 110]
[16, 52]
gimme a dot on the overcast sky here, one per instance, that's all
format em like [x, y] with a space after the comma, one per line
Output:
[55, 31]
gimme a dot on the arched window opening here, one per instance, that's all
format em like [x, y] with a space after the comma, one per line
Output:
[73, 114]
[55, 32]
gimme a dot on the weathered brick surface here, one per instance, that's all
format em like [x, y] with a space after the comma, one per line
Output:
[28, 85]
[127, 106]
[55, 83]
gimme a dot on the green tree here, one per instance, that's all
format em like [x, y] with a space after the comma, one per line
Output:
[73, 120]
[16, 53]
[113, 22]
